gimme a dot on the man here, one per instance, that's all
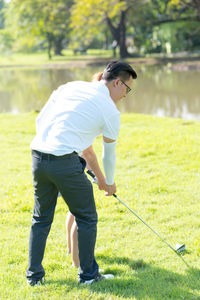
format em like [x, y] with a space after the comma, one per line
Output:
[74, 115]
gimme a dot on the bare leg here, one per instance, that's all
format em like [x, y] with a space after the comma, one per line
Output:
[69, 223]
[74, 245]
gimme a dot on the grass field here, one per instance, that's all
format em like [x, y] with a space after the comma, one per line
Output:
[157, 175]
[41, 58]
[93, 56]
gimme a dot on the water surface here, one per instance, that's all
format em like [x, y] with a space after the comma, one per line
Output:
[158, 90]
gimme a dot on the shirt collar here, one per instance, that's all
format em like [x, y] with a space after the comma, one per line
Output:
[103, 88]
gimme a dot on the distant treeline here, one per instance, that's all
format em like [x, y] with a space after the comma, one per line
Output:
[130, 27]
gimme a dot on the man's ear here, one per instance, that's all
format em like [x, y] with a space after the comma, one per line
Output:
[116, 82]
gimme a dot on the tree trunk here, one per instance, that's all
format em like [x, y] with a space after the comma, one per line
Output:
[58, 47]
[49, 49]
[49, 41]
[122, 36]
[114, 31]
[106, 40]
[119, 34]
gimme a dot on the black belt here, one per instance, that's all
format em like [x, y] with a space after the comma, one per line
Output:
[48, 156]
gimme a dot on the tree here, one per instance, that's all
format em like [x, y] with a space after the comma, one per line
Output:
[89, 16]
[169, 11]
[189, 12]
[191, 7]
[2, 18]
[48, 20]
[169, 22]
[6, 37]
[182, 21]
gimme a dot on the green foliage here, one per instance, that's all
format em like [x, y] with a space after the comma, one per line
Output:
[91, 17]
[87, 21]
[184, 36]
[6, 40]
[6, 37]
[2, 18]
[157, 175]
[31, 25]
[163, 22]
[47, 20]
[179, 35]
[93, 12]
[186, 8]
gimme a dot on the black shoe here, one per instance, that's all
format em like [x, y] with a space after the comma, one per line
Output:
[98, 278]
[37, 282]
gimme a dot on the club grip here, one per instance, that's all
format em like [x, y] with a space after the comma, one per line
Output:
[91, 173]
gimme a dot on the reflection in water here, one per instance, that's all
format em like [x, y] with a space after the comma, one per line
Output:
[157, 91]
[27, 90]
[164, 92]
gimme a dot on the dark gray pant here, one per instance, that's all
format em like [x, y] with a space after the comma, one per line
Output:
[65, 174]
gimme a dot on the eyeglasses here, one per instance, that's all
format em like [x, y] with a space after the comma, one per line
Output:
[128, 89]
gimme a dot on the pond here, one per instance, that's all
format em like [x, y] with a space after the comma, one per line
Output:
[159, 90]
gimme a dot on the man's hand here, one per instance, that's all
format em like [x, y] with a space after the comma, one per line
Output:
[110, 189]
[101, 182]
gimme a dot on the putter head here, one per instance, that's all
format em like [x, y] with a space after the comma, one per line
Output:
[180, 247]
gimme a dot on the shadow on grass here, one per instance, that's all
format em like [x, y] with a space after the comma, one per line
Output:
[140, 280]
[147, 280]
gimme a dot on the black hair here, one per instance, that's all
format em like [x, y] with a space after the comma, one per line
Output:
[118, 69]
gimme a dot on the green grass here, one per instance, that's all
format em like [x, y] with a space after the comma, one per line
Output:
[41, 58]
[158, 173]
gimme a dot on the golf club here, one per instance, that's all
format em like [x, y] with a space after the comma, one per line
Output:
[179, 247]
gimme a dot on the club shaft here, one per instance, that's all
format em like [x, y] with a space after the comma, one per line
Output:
[144, 222]
[114, 195]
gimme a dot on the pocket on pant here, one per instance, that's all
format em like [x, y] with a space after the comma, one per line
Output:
[83, 162]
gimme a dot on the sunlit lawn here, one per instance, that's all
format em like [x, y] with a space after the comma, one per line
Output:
[40, 59]
[157, 175]
[19, 59]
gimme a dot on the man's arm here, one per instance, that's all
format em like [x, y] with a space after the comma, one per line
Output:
[109, 161]
[92, 162]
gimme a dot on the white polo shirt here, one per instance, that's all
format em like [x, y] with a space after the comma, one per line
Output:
[74, 115]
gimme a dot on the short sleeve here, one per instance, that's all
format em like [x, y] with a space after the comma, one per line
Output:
[112, 126]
